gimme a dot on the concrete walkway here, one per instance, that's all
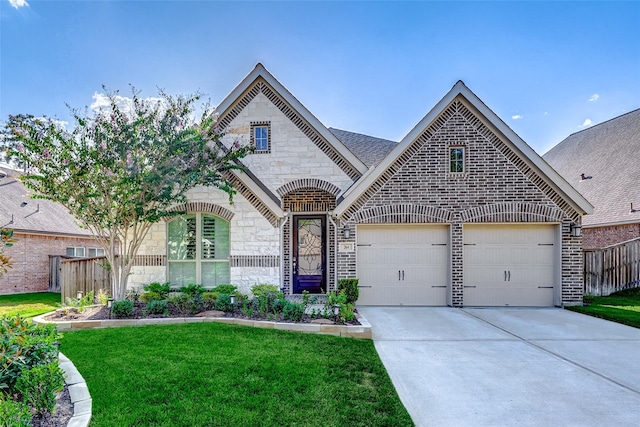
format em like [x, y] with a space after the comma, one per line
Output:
[509, 366]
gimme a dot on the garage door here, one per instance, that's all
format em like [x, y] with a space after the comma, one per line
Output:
[509, 265]
[402, 265]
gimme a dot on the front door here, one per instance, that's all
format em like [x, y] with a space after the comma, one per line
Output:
[309, 254]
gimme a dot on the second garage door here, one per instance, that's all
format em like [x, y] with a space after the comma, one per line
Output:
[403, 265]
[509, 265]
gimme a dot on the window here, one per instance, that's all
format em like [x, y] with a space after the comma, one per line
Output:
[95, 252]
[261, 136]
[75, 252]
[198, 250]
[456, 160]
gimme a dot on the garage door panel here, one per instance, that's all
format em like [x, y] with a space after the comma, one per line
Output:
[509, 264]
[402, 265]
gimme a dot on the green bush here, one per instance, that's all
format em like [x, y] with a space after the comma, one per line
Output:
[147, 297]
[225, 289]
[39, 386]
[263, 288]
[293, 311]
[193, 290]
[133, 295]
[122, 308]
[102, 297]
[588, 299]
[14, 414]
[209, 300]
[157, 307]
[351, 290]
[161, 289]
[185, 304]
[24, 345]
[223, 303]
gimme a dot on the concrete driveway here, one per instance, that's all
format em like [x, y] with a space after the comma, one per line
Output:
[509, 366]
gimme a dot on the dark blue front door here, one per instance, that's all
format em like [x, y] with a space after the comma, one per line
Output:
[309, 254]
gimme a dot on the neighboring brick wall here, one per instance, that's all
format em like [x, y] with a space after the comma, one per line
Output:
[601, 237]
[497, 186]
[30, 255]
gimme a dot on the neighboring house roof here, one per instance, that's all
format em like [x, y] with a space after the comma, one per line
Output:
[24, 214]
[562, 187]
[370, 150]
[608, 154]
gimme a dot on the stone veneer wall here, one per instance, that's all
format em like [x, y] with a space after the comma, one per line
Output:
[497, 187]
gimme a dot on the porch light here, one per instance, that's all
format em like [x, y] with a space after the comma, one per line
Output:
[110, 303]
[233, 299]
[346, 232]
[576, 230]
[336, 310]
[79, 295]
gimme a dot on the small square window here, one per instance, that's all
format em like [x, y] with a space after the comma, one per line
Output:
[261, 136]
[75, 252]
[96, 252]
[456, 160]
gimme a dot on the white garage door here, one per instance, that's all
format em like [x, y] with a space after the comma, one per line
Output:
[509, 265]
[402, 265]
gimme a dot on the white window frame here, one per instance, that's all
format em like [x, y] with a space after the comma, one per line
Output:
[463, 159]
[253, 137]
[75, 251]
[96, 252]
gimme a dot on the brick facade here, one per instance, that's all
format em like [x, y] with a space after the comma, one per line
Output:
[601, 237]
[497, 187]
[30, 255]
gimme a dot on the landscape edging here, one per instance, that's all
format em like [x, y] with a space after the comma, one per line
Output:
[79, 392]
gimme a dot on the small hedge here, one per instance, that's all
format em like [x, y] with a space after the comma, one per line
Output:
[351, 290]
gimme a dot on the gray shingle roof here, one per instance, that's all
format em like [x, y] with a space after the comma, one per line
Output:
[29, 214]
[610, 154]
[370, 150]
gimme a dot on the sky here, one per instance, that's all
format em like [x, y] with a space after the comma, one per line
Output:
[547, 69]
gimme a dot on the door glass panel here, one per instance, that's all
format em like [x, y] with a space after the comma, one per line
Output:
[310, 246]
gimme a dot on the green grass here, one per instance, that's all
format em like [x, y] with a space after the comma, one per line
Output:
[622, 307]
[28, 305]
[213, 374]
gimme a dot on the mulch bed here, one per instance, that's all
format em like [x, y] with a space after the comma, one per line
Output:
[61, 414]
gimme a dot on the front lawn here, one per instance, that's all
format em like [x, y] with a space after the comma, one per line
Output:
[28, 305]
[212, 374]
[622, 307]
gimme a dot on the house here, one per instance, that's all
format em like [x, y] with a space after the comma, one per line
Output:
[41, 228]
[601, 162]
[461, 212]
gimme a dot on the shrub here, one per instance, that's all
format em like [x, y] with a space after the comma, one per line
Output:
[293, 311]
[14, 414]
[263, 288]
[350, 288]
[209, 300]
[225, 289]
[186, 304]
[161, 289]
[223, 303]
[39, 386]
[588, 299]
[193, 290]
[133, 295]
[147, 297]
[103, 297]
[157, 307]
[24, 345]
[122, 308]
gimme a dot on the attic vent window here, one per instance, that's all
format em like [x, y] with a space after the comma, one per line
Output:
[260, 137]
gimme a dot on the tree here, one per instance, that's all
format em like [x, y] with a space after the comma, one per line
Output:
[122, 167]
[6, 240]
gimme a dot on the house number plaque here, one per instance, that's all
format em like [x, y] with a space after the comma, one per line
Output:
[346, 247]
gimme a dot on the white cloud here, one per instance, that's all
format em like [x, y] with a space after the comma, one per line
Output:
[586, 123]
[516, 117]
[594, 97]
[18, 3]
[546, 113]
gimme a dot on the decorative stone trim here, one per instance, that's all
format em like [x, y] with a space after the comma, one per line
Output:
[308, 183]
[252, 140]
[254, 261]
[261, 86]
[402, 214]
[357, 331]
[79, 392]
[252, 198]
[513, 212]
[203, 207]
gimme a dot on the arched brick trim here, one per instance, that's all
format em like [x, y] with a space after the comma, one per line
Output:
[261, 86]
[402, 214]
[513, 212]
[203, 207]
[308, 183]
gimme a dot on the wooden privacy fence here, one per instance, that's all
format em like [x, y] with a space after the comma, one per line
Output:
[83, 274]
[613, 268]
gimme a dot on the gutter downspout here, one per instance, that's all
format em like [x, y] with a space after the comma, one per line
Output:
[331, 215]
[282, 224]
